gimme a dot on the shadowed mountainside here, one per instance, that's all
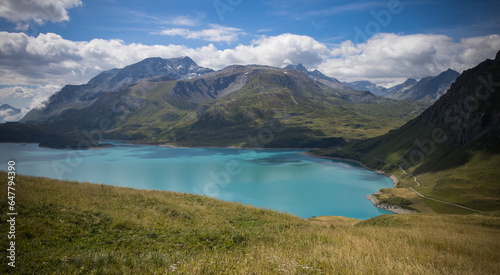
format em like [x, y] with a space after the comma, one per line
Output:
[453, 147]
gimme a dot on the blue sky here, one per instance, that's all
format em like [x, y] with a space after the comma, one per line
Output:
[47, 44]
[326, 21]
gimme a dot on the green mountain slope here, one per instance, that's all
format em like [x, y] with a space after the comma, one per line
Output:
[80, 228]
[453, 147]
[252, 106]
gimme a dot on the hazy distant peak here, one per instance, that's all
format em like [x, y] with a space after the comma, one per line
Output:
[410, 81]
[298, 67]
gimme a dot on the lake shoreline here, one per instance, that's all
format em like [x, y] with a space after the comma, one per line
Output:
[393, 208]
[372, 198]
[213, 176]
[209, 147]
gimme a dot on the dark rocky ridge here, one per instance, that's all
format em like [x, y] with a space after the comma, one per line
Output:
[428, 89]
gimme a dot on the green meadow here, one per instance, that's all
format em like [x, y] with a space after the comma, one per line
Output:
[82, 228]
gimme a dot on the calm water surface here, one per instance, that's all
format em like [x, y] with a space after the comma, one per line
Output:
[283, 180]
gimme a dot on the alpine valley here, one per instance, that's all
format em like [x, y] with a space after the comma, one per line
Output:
[446, 159]
[449, 155]
[176, 102]
[445, 156]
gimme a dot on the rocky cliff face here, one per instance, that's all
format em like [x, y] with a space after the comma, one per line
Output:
[187, 94]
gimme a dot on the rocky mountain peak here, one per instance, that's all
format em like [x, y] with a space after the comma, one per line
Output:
[63, 102]
[410, 81]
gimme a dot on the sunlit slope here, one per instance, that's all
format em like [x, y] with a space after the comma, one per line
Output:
[67, 227]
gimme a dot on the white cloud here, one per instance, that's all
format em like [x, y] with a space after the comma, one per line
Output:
[8, 115]
[181, 20]
[50, 61]
[389, 58]
[215, 33]
[186, 20]
[275, 51]
[36, 95]
[22, 27]
[37, 10]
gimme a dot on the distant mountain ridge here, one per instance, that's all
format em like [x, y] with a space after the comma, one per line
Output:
[73, 97]
[8, 111]
[367, 86]
[222, 108]
[319, 77]
[453, 147]
[402, 88]
[428, 89]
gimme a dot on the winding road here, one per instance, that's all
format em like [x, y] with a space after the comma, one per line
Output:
[418, 185]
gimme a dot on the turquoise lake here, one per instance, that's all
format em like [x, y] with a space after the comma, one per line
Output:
[283, 180]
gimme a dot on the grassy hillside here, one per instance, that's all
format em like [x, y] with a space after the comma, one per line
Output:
[453, 147]
[470, 181]
[81, 228]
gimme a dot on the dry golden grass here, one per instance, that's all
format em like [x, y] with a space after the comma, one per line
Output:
[75, 228]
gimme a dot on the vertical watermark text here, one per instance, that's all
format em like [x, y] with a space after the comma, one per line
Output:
[11, 213]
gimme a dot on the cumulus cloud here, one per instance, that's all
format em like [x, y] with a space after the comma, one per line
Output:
[37, 96]
[48, 60]
[8, 115]
[38, 10]
[276, 51]
[389, 58]
[215, 33]
[51, 60]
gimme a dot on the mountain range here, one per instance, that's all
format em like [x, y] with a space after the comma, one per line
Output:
[427, 90]
[320, 77]
[7, 111]
[74, 97]
[249, 106]
[176, 102]
[453, 147]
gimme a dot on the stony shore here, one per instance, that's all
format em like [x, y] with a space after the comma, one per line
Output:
[393, 208]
